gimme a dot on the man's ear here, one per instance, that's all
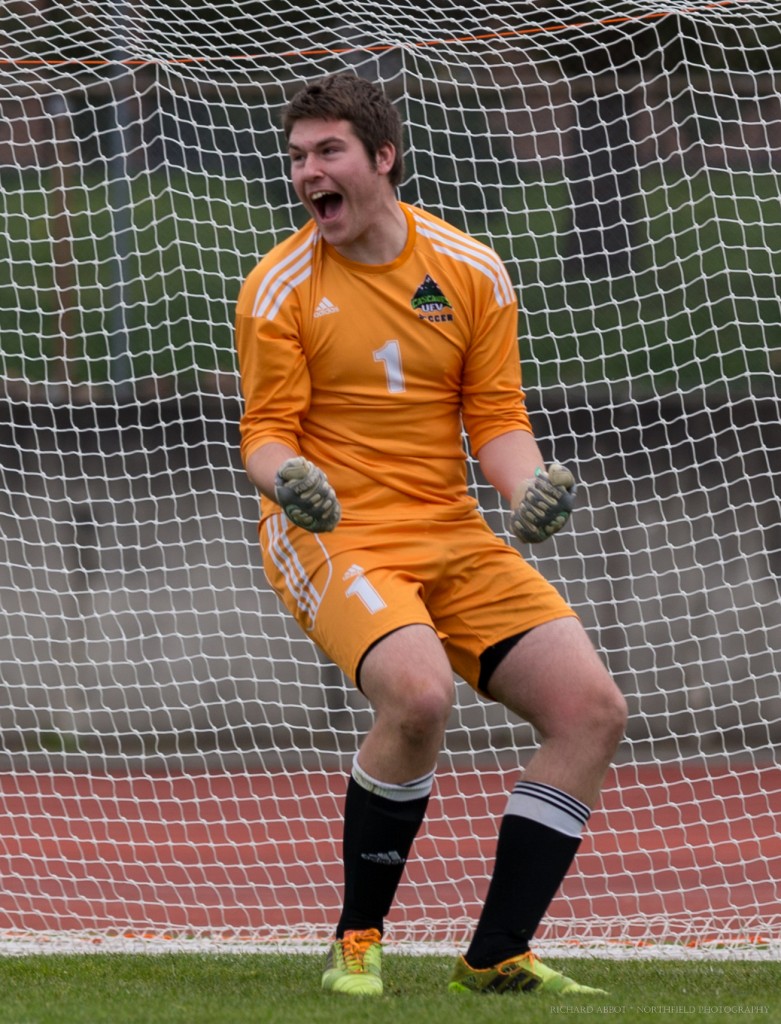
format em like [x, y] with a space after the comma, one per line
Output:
[386, 155]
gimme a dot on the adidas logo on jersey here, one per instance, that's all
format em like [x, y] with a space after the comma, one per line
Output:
[325, 306]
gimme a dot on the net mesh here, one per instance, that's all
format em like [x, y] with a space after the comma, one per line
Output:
[174, 750]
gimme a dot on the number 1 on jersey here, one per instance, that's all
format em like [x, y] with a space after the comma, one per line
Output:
[390, 356]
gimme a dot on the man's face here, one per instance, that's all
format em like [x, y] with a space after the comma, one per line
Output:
[336, 181]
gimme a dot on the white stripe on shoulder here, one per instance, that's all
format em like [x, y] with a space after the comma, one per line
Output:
[283, 277]
[461, 247]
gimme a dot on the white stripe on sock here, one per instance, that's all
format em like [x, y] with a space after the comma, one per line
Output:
[402, 792]
[548, 806]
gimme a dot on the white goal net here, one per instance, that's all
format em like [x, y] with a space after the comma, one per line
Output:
[174, 752]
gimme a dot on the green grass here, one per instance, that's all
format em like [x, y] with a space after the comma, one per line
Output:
[279, 989]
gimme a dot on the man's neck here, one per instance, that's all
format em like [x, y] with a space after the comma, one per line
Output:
[383, 243]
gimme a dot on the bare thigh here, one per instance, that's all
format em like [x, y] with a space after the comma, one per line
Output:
[551, 673]
[408, 680]
[554, 679]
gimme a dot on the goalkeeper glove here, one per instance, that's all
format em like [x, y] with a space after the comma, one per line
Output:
[306, 497]
[541, 506]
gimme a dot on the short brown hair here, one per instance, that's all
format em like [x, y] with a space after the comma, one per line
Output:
[346, 97]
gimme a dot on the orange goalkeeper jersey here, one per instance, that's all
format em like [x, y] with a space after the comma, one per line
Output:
[371, 371]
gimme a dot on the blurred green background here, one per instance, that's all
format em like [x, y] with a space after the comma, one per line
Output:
[700, 307]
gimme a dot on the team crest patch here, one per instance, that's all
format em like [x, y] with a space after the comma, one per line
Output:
[430, 303]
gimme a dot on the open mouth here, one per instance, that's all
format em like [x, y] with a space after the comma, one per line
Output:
[327, 204]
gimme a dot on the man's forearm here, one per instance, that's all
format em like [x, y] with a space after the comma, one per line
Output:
[299, 487]
[263, 464]
[509, 459]
[541, 501]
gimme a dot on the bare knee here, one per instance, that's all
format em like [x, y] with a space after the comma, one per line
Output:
[592, 716]
[555, 680]
[419, 710]
[409, 683]
[604, 715]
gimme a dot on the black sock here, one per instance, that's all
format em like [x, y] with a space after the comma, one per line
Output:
[531, 862]
[378, 835]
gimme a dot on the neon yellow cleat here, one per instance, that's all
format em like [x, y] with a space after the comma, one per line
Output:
[354, 964]
[523, 973]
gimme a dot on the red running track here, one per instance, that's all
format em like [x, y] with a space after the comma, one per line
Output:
[259, 853]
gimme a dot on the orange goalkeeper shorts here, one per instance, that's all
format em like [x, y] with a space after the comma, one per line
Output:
[349, 588]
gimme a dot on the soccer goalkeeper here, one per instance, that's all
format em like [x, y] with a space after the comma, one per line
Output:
[365, 340]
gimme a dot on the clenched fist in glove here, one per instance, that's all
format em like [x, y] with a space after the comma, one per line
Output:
[542, 505]
[306, 497]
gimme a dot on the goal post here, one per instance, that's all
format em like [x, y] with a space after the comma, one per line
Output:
[174, 749]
